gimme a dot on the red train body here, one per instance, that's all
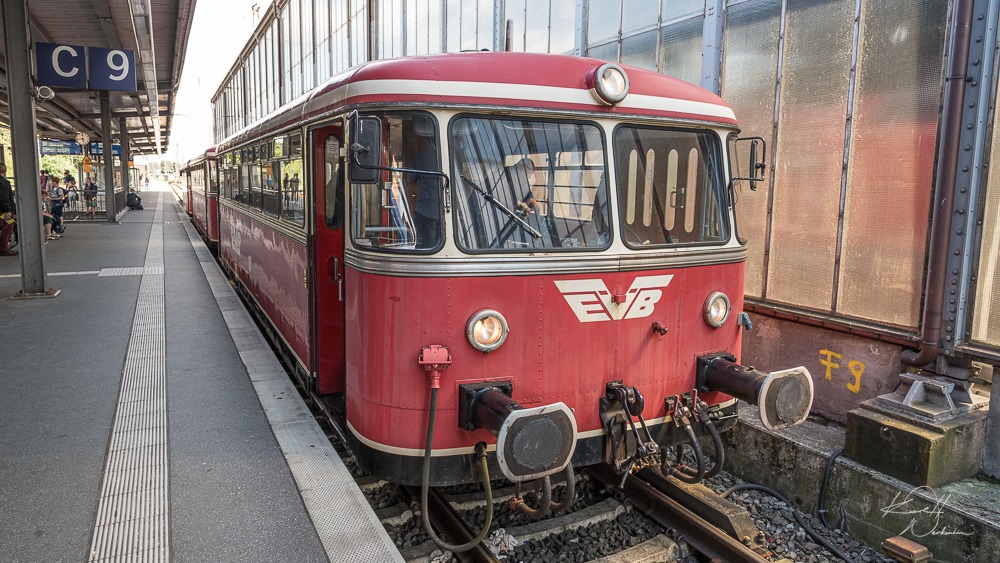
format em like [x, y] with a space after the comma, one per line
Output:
[203, 195]
[549, 240]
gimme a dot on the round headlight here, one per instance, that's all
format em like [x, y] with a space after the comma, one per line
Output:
[487, 330]
[716, 309]
[610, 83]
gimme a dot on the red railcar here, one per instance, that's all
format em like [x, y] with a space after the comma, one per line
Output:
[535, 253]
[203, 195]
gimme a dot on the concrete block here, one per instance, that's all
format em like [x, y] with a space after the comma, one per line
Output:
[921, 454]
[991, 453]
[956, 522]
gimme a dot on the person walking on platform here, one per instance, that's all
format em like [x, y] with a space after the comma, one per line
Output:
[57, 198]
[8, 213]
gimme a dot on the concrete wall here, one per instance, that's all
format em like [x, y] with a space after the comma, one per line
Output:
[846, 369]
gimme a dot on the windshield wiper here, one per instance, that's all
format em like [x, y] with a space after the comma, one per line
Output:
[505, 210]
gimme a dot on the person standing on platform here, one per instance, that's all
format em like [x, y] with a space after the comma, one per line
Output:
[90, 196]
[48, 219]
[67, 178]
[8, 213]
[57, 198]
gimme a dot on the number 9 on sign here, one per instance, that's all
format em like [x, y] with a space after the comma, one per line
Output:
[112, 69]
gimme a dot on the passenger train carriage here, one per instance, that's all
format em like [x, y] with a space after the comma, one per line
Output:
[515, 261]
[203, 195]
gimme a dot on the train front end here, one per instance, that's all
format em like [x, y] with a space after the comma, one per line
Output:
[572, 295]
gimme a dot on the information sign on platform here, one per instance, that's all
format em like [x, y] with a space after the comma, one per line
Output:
[62, 66]
[59, 147]
[97, 149]
[66, 66]
[112, 69]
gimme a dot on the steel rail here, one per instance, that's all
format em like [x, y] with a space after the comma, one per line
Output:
[704, 537]
[446, 520]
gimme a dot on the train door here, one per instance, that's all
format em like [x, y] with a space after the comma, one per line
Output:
[328, 249]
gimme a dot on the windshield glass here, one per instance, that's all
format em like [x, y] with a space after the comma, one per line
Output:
[670, 186]
[528, 185]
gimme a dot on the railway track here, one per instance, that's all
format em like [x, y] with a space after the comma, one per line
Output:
[640, 524]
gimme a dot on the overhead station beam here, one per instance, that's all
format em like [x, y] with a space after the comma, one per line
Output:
[142, 23]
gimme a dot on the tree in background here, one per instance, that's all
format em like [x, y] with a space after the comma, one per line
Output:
[7, 157]
[57, 163]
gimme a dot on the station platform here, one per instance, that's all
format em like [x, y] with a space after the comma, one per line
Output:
[145, 418]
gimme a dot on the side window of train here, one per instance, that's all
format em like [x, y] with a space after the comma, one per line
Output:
[271, 169]
[670, 186]
[292, 181]
[403, 210]
[213, 178]
[334, 182]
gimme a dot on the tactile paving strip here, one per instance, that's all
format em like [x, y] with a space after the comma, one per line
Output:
[344, 521]
[133, 508]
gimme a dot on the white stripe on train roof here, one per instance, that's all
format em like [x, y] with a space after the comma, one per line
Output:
[525, 92]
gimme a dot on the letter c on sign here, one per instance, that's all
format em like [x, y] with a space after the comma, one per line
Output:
[55, 61]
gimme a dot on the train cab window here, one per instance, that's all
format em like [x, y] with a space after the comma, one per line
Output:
[403, 210]
[670, 186]
[272, 181]
[524, 185]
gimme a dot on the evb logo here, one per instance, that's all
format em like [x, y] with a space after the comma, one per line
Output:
[592, 301]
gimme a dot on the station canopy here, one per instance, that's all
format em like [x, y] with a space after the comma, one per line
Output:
[155, 30]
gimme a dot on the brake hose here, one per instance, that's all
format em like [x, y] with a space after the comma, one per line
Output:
[720, 451]
[425, 486]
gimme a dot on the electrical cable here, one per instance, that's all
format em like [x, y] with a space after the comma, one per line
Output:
[425, 487]
[821, 503]
[798, 518]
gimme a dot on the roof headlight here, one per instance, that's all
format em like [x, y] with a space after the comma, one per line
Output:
[610, 84]
[487, 330]
[716, 309]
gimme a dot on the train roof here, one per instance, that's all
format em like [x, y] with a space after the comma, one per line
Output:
[503, 79]
[208, 154]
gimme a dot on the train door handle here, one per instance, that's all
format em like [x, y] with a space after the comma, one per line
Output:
[333, 272]
[333, 269]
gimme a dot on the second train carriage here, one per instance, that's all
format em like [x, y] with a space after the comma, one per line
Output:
[534, 256]
[201, 178]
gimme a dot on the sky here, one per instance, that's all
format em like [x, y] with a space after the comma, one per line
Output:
[219, 32]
